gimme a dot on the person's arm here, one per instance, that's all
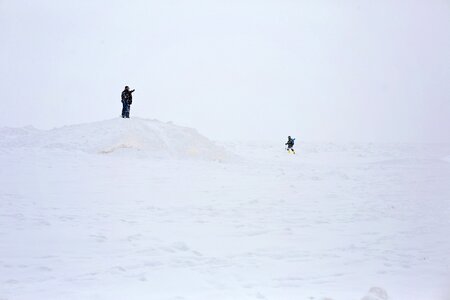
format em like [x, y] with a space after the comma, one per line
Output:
[131, 91]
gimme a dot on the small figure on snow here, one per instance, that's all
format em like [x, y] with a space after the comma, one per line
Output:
[127, 99]
[290, 144]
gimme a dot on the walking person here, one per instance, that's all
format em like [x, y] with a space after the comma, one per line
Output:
[290, 145]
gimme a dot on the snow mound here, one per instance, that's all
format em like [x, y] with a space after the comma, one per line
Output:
[118, 137]
[376, 293]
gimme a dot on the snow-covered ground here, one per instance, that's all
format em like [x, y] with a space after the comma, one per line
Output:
[139, 209]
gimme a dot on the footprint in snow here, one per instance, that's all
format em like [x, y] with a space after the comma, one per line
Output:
[11, 281]
[43, 222]
[98, 238]
[260, 296]
[376, 293]
[180, 246]
[134, 237]
[119, 268]
[44, 269]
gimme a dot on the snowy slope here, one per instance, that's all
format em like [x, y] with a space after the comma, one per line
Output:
[119, 210]
[146, 137]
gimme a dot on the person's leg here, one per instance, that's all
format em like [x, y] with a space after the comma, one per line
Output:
[128, 111]
[290, 149]
[124, 109]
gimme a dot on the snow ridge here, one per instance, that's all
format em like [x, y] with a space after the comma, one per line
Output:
[118, 136]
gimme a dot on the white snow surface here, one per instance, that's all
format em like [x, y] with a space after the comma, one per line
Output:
[144, 137]
[140, 209]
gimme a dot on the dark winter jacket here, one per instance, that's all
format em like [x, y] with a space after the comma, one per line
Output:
[127, 96]
[290, 142]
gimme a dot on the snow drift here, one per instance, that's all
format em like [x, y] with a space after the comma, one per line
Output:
[83, 216]
[116, 136]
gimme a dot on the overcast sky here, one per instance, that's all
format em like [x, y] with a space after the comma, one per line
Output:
[318, 70]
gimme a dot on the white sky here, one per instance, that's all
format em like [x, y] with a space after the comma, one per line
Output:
[318, 70]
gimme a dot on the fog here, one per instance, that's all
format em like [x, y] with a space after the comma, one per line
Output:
[370, 71]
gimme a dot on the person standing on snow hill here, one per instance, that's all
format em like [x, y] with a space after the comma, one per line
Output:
[127, 99]
[290, 144]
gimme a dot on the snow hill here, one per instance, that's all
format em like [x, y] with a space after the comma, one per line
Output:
[139, 209]
[119, 137]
